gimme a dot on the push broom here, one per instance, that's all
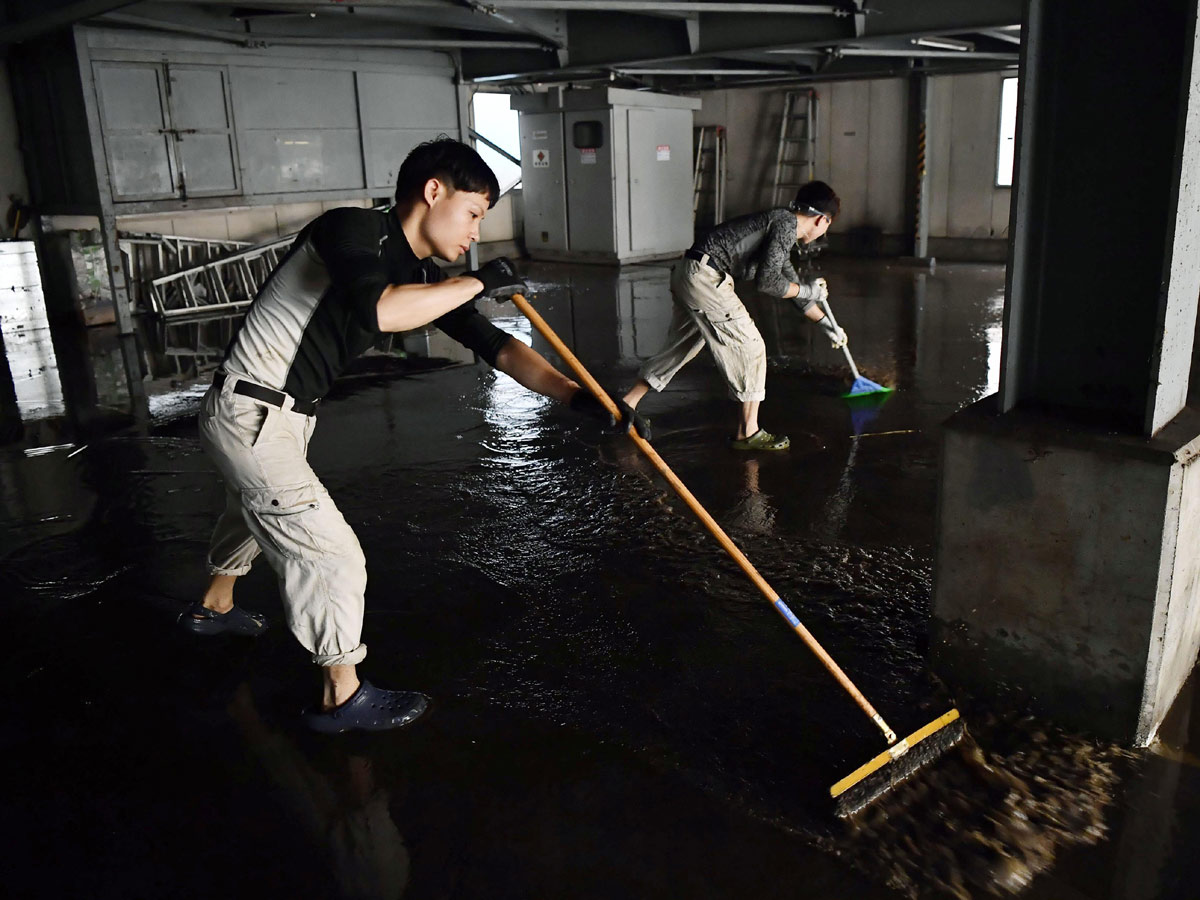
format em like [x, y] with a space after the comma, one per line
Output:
[902, 757]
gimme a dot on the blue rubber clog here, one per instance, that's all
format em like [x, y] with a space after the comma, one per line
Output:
[369, 709]
[198, 619]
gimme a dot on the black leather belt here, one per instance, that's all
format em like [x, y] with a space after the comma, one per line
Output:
[266, 395]
[703, 259]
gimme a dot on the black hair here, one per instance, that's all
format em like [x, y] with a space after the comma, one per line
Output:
[816, 198]
[452, 162]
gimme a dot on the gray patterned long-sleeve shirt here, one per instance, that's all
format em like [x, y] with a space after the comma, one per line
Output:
[758, 248]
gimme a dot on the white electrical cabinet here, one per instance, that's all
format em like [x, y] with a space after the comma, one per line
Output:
[607, 174]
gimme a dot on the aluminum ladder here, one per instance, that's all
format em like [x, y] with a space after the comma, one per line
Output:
[708, 175]
[797, 152]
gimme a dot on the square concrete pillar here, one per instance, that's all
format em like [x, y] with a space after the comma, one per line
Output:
[1068, 566]
[1069, 531]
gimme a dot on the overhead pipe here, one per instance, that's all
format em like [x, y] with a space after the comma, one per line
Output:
[259, 39]
[793, 9]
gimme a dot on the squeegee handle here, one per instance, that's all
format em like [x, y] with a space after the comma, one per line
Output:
[845, 347]
[701, 513]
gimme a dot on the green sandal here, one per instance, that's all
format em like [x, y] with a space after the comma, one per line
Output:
[761, 440]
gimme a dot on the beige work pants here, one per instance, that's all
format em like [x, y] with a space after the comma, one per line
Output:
[707, 311]
[276, 505]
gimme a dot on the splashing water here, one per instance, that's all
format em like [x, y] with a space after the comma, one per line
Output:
[991, 815]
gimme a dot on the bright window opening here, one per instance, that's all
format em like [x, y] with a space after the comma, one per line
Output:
[1008, 133]
[496, 122]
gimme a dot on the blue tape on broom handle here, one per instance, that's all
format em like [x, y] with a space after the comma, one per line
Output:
[787, 613]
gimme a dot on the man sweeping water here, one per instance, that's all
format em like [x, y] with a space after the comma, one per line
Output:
[708, 311]
[351, 276]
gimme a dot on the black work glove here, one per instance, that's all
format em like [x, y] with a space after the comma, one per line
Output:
[500, 279]
[585, 403]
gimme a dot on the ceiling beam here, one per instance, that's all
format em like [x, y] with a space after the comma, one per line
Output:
[607, 41]
[266, 39]
[1006, 35]
[35, 19]
[673, 6]
[898, 52]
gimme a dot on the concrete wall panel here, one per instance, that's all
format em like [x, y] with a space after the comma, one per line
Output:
[849, 163]
[498, 223]
[1087, 531]
[888, 136]
[250, 223]
[974, 132]
[294, 216]
[862, 147]
[1100, 621]
[824, 133]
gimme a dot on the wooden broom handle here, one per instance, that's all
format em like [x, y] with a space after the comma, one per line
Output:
[701, 513]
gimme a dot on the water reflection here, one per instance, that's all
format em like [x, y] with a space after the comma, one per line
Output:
[69, 381]
[754, 513]
[345, 812]
[513, 412]
[934, 335]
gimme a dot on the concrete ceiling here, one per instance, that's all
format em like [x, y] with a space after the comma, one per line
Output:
[675, 45]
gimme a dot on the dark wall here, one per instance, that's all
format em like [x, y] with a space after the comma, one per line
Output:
[52, 120]
[1107, 123]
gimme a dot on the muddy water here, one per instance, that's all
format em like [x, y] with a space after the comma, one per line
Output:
[618, 713]
[991, 815]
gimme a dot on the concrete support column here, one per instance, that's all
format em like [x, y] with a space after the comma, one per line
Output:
[1069, 530]
[918, 178]
[117, 276]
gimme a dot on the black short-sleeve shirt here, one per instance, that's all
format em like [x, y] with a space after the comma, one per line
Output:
[317, 310]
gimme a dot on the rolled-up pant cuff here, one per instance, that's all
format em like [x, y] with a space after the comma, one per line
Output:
[748, 396]
[656, 383]
[228, 570]
[349, 658]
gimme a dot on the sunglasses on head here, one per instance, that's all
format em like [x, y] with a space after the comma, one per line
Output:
[813, 211]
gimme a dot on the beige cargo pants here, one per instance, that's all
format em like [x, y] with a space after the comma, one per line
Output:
[276, 505]
[707, 311]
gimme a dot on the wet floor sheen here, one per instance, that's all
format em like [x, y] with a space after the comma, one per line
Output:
[617, 712]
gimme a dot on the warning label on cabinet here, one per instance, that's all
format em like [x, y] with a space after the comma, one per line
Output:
[541, 159]
[587, 156]
[664, 152]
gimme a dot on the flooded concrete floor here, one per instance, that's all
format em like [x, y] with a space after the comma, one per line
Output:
[617, 713]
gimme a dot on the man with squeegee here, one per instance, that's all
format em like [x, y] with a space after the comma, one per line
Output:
[707, 309]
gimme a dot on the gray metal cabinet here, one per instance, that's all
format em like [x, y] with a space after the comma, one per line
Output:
[299, 129]
[659, 139]
[202, 121]
[168, 130]
[590, 180]
[543, 175]
[398, 111]
[138, 144]
[625, 161]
